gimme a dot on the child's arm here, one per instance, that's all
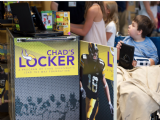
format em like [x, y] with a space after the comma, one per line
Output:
[108, 35]
[110, 29]
[151, 62]
[118, 48]
[87, 25]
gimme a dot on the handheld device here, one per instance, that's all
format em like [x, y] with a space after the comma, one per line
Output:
[126, 56]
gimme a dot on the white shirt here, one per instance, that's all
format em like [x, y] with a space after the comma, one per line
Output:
[111, 27]
[154, 10]
[144, 12]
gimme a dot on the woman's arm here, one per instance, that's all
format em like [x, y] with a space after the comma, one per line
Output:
[87, 25]
[54, 6]
[77, 26]
[148, 10]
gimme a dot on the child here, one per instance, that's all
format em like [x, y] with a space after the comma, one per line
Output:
[93, 29]
[145, 50]
[111, 21]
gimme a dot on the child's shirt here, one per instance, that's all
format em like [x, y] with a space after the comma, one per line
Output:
[111, 27]
[144, 49]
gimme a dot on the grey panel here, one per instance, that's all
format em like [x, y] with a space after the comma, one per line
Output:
[47, 98]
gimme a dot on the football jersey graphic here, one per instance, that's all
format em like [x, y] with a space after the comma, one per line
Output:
[93, 72]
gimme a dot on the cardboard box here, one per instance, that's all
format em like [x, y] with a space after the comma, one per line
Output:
[49, 19]
[63, 22]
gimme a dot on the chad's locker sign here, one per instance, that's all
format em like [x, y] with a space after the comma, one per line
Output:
[40, 59]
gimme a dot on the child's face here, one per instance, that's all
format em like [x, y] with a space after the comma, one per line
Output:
[106, 10]
[132, 29]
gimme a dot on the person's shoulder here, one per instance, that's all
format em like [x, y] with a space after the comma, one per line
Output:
[127, 38]
[93, 9]
[149, 41]
[147, 38]
[111, 24]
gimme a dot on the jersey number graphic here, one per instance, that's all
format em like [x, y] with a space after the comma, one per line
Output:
[92, 83]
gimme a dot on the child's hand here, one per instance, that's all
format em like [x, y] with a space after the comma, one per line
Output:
[119, 45]
[118, 48]
[134, 63]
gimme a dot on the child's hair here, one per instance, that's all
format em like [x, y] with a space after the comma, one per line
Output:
[144, 24]
[113, 15]
[88, 4]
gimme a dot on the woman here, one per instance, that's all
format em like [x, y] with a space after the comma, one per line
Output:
[93, 29]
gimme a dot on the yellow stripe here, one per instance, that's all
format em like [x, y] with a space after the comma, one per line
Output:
[7, 85]
[90, 44]
[82, 60]
[89, 106]
[103, 73]
[82, 64]
[6, 70]
[1, 90]
[2, 99]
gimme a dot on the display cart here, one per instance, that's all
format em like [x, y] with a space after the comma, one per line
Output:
[43, 77]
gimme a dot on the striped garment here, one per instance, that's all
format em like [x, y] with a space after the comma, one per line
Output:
[142, 61]
[145, 49]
